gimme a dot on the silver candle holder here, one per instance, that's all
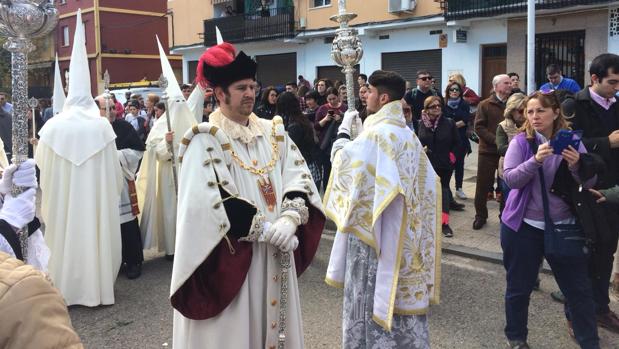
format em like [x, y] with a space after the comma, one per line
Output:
[20, 22]
[347, 52]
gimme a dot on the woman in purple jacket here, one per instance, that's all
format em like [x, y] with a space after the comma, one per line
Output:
[522, 227]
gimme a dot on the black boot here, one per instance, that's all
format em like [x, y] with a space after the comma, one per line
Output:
[134, 271]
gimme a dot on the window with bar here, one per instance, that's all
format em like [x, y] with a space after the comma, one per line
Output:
[318, 3]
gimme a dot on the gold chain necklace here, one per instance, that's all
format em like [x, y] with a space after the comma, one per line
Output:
[269, 166]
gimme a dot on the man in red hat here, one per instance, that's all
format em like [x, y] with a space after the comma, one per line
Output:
[249, 220]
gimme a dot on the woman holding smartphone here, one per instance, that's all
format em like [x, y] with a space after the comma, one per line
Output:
[529, 221]
[328, 118]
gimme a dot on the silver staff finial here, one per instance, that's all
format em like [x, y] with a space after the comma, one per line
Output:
[106, 81]
[347, 51]
[33, 102]
[163, 82]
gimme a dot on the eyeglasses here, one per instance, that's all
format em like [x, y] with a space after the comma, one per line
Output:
[425, 78]
[454, 90]
[435, 106]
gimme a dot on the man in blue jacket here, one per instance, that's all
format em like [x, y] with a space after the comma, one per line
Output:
[556, 80]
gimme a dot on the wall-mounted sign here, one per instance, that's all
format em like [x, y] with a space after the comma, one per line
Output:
[461, 36]
[442, 41]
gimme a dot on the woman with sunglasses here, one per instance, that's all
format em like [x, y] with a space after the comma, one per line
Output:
[458, 110]
[534, 209]
[440, 138]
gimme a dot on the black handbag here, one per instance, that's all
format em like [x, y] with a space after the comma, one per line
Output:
[561, 240]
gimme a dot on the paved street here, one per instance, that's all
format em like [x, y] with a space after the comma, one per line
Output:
[470, 314]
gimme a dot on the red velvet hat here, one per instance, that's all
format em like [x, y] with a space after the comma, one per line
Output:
[221, 66]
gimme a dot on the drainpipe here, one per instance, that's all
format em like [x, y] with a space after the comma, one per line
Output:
[531, 46]
[171, 14]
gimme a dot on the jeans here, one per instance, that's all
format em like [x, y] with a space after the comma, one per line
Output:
[522, 254]
[459, 168]
[445, 176]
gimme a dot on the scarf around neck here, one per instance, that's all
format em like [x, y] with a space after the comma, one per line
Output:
[429, 123]
[453, 103]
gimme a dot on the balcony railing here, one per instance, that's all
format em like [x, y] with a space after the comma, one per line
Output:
[459, 9]
[256, 25]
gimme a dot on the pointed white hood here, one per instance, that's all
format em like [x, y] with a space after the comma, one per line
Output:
[181, 116]
[78, 132]
[59, 97]
[196, 102]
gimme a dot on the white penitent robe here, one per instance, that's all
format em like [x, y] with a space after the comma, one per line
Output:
[155, 179]
[249, 316]
[156, 192]
[81, 182]
[4, 161]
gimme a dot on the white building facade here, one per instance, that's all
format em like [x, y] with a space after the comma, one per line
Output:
[477, 47]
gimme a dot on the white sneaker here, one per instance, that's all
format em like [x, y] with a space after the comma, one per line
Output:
[460, 194]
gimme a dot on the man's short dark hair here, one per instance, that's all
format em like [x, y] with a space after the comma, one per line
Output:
[301, 77]
[293, 84]
[388, 82]
[512, 74]
[364, 77]
[553, 69]
[313, 94]
[603, 63]
[185, 86]
[423, 72]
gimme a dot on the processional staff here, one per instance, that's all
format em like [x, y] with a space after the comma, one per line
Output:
[32, 103]
[347, 52]
[20, 22]
[163, 83]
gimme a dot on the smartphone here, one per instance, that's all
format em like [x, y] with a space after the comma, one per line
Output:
[331, 112]
[565, 138]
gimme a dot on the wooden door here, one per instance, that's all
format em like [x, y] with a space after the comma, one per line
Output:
[493, 62]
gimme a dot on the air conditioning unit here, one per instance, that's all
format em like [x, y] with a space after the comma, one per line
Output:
[397, 6]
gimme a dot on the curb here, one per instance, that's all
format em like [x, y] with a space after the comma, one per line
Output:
[481, 255]
[461, 251]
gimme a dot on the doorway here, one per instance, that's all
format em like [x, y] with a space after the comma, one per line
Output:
[493, 62]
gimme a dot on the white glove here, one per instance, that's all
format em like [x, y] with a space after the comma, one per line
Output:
[350, 117]
[19, 211]
[292, 245]
[22, 176]
[280, 232]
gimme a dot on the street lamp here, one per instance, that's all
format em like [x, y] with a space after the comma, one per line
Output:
[347, 52]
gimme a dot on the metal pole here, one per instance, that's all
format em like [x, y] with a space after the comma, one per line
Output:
[32, 103]
[106, 96]
[163, 83]
[531, 46]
